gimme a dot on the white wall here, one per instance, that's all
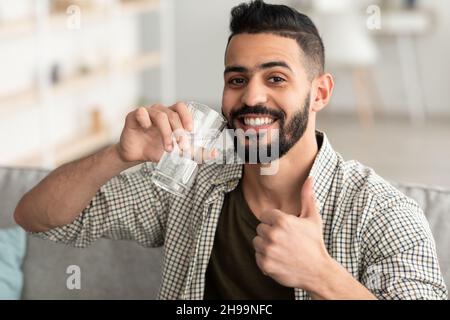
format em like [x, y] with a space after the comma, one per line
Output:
[434, 53]
[201, 35]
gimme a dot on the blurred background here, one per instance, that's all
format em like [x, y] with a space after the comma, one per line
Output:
[71, 70]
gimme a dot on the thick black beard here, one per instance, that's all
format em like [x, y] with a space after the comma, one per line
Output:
[289, 134]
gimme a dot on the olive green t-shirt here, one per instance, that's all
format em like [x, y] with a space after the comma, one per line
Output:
[232, 272]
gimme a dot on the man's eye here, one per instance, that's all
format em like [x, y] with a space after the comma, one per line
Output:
[236, 81]
[276, 79]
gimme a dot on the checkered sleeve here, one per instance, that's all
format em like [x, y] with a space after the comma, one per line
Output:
[399, 255]
[128, 207]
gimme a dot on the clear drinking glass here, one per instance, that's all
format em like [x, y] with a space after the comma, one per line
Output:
[176, 170]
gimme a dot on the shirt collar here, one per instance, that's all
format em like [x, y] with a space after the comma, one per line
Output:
[323, 170]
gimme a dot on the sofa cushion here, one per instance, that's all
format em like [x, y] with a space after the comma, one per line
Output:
[12, 251]
[108, 270]
[14, 183]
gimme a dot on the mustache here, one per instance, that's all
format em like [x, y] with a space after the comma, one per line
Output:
[258, 109]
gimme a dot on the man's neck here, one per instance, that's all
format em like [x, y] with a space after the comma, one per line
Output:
[281, 190]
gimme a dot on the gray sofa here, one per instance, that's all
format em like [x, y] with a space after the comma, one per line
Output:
[109, 269]
[123, 269]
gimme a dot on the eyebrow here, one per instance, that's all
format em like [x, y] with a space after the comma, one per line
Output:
[266, 65]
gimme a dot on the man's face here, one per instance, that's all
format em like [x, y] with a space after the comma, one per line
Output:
[266, 87]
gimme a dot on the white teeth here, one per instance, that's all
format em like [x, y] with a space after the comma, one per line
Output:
[251, 121]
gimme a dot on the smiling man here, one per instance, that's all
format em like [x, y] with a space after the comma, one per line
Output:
[318, 227]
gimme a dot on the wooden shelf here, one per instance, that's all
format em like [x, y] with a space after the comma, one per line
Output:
[131, 7]
[81, 146]
[23, 26]
[142, 62]
[67, 151]
[58, 19]
[78, 82]
[25, 97]
[135, 64]
[27, 26]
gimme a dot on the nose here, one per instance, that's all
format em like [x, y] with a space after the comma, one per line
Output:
[254, 94]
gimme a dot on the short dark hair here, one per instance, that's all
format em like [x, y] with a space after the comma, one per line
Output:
[259, 17]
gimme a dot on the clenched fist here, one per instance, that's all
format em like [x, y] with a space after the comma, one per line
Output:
[148, 131]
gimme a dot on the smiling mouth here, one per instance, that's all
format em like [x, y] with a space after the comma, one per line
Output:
[257, 121]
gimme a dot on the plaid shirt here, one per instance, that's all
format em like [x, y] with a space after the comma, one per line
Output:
[379, 235]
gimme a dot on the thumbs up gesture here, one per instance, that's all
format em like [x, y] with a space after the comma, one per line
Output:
[290, 249]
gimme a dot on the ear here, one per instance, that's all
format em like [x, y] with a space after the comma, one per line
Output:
[322, 88]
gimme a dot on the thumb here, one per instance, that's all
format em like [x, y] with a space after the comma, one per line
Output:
[308, 200]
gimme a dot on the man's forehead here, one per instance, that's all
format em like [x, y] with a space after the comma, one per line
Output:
[252, 50]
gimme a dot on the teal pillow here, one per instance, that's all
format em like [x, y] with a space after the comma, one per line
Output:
[12, 251]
